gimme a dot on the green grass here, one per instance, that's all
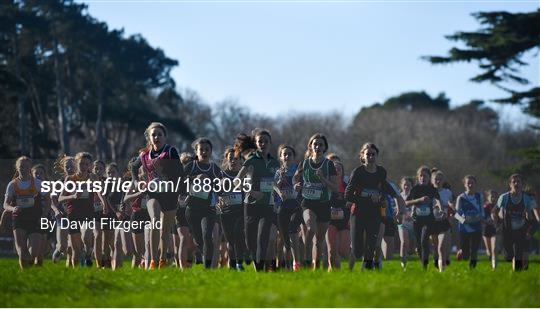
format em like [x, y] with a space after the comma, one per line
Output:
[55, 286]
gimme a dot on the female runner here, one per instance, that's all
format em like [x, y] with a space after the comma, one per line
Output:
[80, 208]
[64, 166]
[139, 213]
[470, 215]
[489, 233]
[338, 236]
[39, 172]
[319, 181]
[199, 213]
[258, 172]
[162, 165]
[366, 188]
[441, 229]
[289, 211]
[27, 204]
[516, 209]
[405, 228]
[186, 247]
[232, 210]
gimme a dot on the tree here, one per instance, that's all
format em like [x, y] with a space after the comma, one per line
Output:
[498, 48]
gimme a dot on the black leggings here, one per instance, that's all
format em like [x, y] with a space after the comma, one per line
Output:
[517, 244]
[233, 228]
[470, 243]
[258, 220]
[201, 222]
[289, 221]
[422, 230]
[364, 234]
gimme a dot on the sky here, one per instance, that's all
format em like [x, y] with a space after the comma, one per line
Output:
[280, 57]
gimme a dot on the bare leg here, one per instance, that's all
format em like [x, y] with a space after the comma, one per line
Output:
[21, 245]
[332, 245]
[154, 210]
[404, 245]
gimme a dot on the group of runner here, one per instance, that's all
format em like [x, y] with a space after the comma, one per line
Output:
[289, 216]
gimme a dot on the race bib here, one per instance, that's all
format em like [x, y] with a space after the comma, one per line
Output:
[267, 184]
[98, 206]
[289, 194]
[337, 214]
[422, 210]
[232, 199]
[312, 191]
[199, 194]
[84, 194]
[517, 223]
[25, 201]
[369, 192]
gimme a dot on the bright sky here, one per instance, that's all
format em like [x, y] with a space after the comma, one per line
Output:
[278, 57]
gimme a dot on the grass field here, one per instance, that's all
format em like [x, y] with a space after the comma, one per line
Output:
[55, 286]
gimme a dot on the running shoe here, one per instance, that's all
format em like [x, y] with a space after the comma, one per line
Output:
[162, 264]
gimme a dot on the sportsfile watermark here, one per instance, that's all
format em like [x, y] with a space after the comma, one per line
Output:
[109, 185]
[115, 185]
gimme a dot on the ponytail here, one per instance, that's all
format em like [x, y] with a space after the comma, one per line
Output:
[242, 143]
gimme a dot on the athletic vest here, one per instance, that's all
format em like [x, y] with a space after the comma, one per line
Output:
[468, 209]
[82, 205]
[148, 162]
[26, 199]
[313, 188]
[231, 198]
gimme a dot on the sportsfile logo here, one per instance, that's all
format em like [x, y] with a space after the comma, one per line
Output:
[114, 185]
[109, 185]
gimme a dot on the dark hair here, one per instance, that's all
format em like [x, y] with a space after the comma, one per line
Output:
[225, 161]
[281, 147]
[424, 169]
[332, 156]
[469, 177]
[58, 166]
[83, 155]
[365, 147]
[258, 132]
[516, 175]
[199, 141]
[185, 158]
[147, 133]
[243, 142]
[310, 141]
[113, 165]
[41, 166]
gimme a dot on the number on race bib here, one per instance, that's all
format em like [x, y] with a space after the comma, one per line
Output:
[198, 193]
[289, 194]
[423, 210]
[267, 184]
[232, 199]
[25, 202]
[312, 192]
[517, 223]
